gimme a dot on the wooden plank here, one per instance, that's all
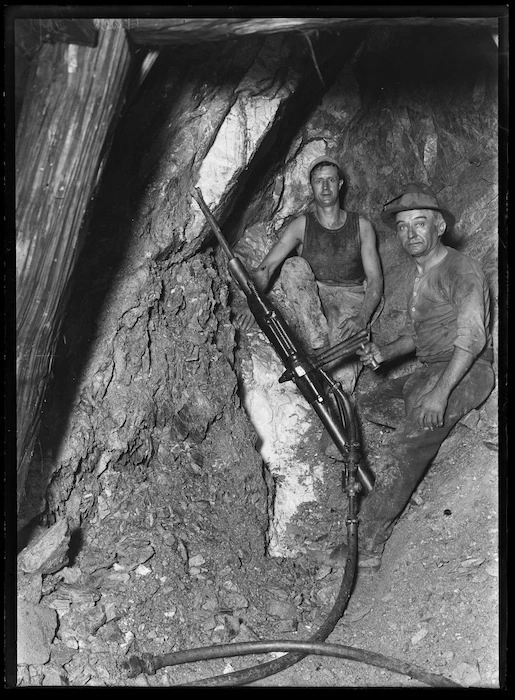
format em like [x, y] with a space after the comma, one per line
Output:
[74, 95]
[163, 31]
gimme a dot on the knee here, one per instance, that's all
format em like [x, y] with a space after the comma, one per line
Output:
[298, 266]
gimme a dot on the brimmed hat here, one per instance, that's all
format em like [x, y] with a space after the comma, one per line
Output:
[324, 159]
[415, 196]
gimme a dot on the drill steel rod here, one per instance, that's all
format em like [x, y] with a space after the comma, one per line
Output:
[346, 348]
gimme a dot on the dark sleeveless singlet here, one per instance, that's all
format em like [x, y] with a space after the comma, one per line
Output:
[334, 254]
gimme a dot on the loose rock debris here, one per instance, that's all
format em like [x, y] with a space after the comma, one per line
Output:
[156, 585]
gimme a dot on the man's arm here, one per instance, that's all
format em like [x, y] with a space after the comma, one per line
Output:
[374, 277]
[372, 267]
[403, 345]
[470, 298]
[292, 236]
[431, 409]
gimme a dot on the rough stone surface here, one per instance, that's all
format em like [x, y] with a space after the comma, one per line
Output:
[49, 552]
[36, 626]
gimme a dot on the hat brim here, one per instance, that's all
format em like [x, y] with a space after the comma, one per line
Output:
[388, 217]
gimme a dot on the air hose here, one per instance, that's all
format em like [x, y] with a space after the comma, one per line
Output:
[150, 664]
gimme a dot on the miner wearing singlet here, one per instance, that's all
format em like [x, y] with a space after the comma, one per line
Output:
[334, 283]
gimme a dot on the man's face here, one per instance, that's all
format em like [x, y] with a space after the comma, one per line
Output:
[326, 185]
[418, 232]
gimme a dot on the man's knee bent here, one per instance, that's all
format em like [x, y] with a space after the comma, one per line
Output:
[299, 267]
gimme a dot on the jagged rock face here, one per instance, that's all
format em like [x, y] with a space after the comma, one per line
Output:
[168, 385]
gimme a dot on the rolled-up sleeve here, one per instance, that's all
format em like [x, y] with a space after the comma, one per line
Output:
[471, 300]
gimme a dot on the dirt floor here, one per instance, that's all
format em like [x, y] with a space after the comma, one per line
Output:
[152, 574]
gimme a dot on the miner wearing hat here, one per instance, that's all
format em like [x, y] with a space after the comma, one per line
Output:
[447, 330]
[330, 272]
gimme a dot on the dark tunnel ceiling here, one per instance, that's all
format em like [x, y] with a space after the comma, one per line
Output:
[159, 33]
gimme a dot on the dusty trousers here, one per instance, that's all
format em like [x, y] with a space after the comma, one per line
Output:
[404, 461]
[315, 310]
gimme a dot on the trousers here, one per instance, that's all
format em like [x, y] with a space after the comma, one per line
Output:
[403, 462]
[315, 311]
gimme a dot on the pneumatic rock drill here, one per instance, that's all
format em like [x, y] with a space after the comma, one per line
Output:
[325, 396]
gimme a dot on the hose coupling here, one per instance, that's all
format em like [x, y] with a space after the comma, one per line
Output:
[146, 663]
[352, 525]
[353, 451]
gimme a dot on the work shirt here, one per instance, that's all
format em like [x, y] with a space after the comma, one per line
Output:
[448, 307]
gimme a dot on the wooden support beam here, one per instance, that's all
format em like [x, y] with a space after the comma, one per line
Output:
[166, 31]
[162, 31]
[82, 32]
[74, 95]
[29, 34]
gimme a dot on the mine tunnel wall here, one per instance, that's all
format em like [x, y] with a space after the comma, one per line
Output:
[150, 374]
[412, 105]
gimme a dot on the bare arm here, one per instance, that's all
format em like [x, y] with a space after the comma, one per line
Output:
[374, 277]
[292, 236]
[372, 267]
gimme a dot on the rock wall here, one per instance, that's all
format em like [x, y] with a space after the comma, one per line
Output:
[145, 376]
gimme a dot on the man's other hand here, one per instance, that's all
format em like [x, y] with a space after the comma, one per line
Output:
[430, 409]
